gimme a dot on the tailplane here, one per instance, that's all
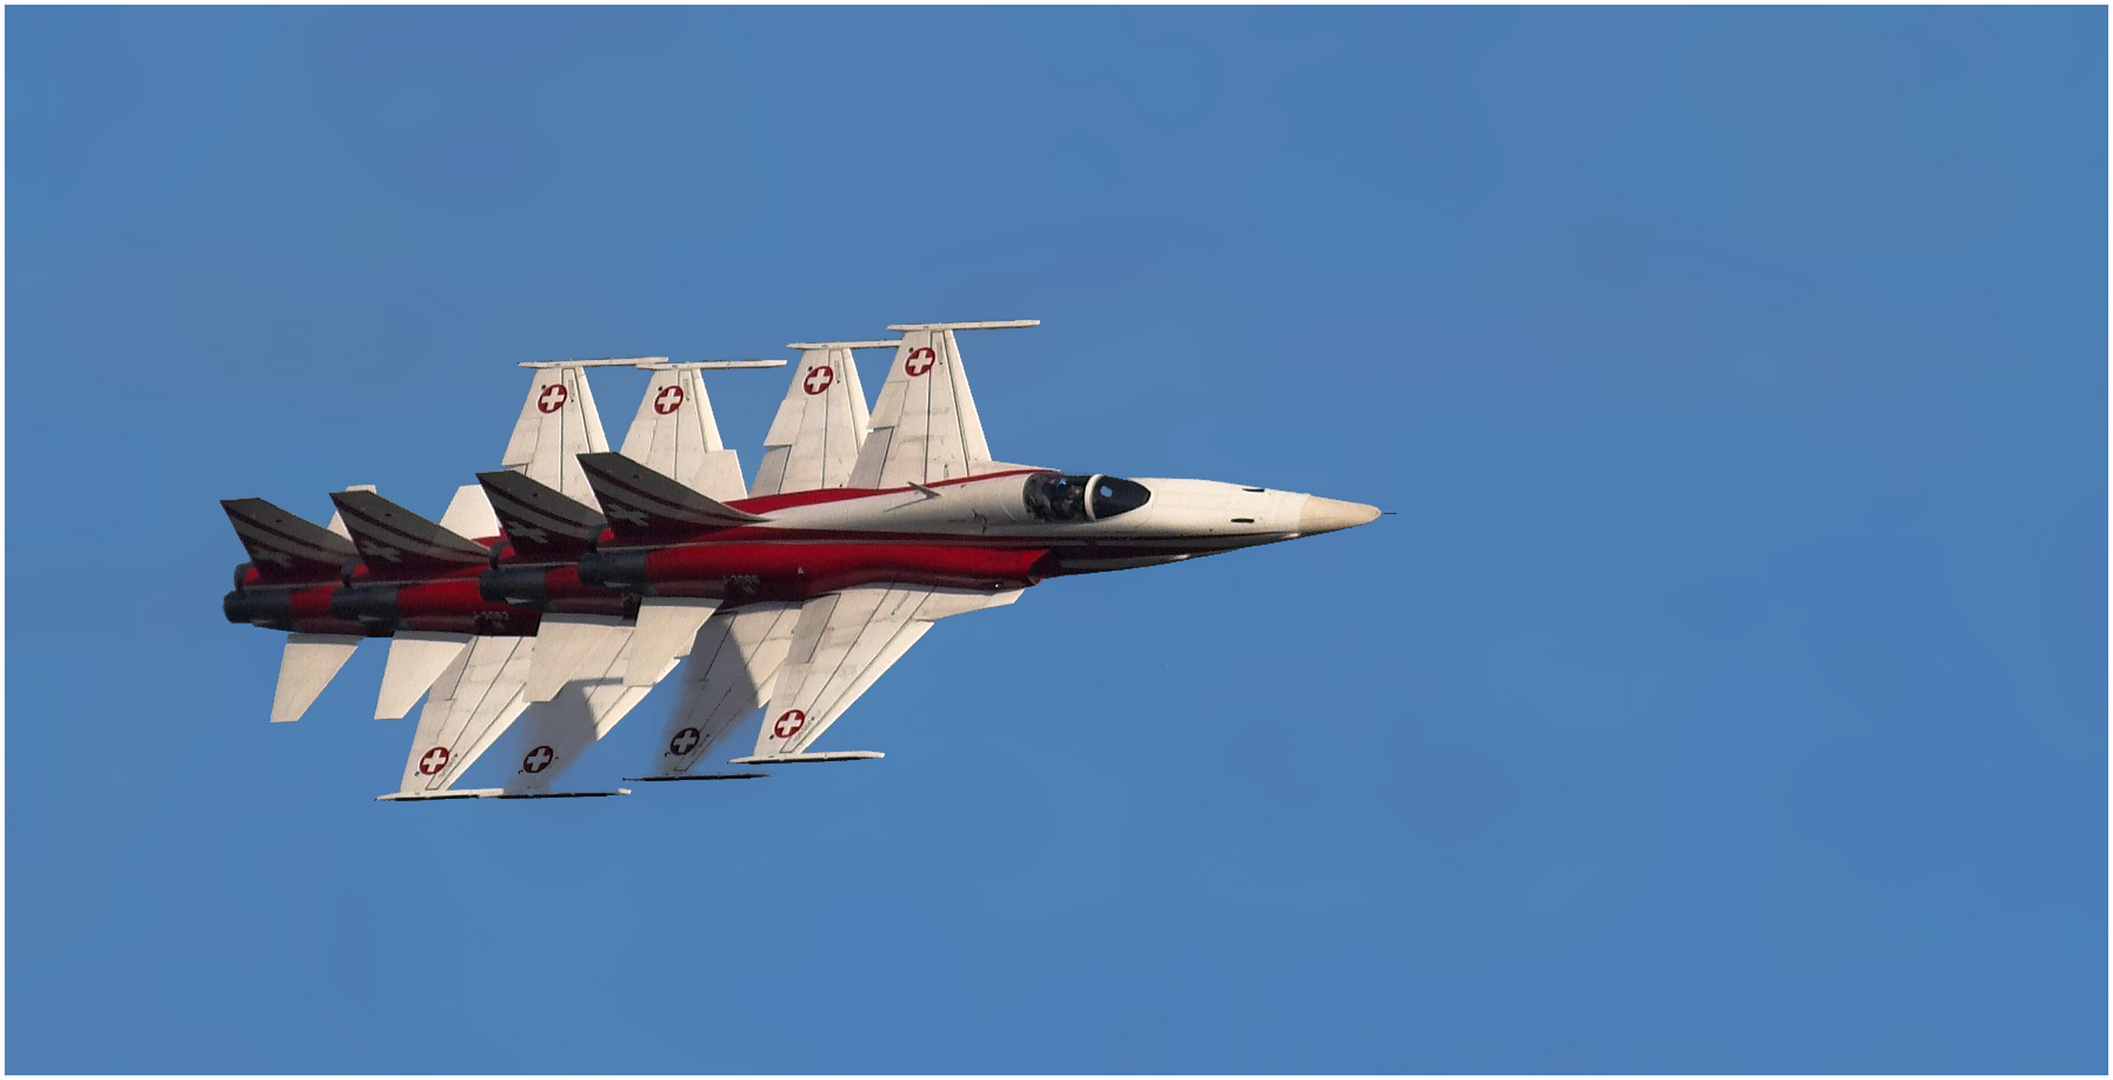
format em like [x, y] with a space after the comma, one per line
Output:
[307, 666]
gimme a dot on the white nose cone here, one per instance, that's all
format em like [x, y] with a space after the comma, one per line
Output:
[1327, 515]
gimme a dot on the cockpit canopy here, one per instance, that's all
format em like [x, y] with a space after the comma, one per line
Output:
[1051, 497]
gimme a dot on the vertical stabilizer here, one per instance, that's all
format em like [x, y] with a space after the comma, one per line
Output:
[337, 520]
[542, 525]
[645, 507]
[394, 541]
[285, 548]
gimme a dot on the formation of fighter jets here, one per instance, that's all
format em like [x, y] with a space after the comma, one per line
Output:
[556, 592]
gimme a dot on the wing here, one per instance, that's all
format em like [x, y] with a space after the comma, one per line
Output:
[470, 705]
[840, 645]
[733, 664]
[815, 439]
[470, 514]
[553, 734]
[485, 693]
[608, 683]
[675, 434]
[925, 426]
[557, 421]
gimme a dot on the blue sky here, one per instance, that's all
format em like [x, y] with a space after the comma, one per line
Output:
[1729, 693]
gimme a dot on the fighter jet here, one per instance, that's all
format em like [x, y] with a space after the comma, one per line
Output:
[860, 532]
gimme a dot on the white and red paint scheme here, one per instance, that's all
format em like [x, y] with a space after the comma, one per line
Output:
[608, 570]
[1009, 528]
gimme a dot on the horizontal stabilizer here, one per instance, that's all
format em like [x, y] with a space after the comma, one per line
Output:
[667, 629]
[700, 776]
[561, 794]
[791, 759]
[541, 523]
[563, 643]
[396, 542]
[644, 506]
[416, 658]
[307, 666]
[286, 548]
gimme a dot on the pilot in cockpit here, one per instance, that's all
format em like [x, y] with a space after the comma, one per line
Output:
[1051, 497]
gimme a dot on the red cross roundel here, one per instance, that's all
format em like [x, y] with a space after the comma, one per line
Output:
[668, 400]
[434, 760]
[538, 759]
[920, 361]
[818, 379]
[552, 398]
[684, 741]
[789, 724]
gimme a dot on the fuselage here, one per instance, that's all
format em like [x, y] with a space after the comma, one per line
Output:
[1011, 527]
